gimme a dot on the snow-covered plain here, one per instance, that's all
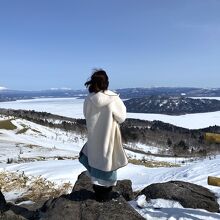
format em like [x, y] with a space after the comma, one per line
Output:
[72, 107]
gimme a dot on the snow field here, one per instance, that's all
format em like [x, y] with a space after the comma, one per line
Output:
[72, 107]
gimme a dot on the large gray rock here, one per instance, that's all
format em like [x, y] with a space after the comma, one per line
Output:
[3, 204]
[10, 215]
[81, 205]
[123, 187]
[15, 212]
[10, 211]
[187, 194]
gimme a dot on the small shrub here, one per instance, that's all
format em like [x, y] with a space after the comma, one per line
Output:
[22, 131]
[10, 160]
[7, 125]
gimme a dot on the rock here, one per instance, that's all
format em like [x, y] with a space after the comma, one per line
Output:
[64, 208]
[3, 204]
[9, 211]
[81, 204]
[10, 215]
[23, 213]
[187, 194]
[123, 187]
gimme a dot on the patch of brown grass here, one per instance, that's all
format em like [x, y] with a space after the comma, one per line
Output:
[7, 125]
[11, 181]
[35, 188]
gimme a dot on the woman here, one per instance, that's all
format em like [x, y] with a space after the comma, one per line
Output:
[103, 153]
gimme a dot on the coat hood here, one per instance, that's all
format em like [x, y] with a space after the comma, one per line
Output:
[101, 99]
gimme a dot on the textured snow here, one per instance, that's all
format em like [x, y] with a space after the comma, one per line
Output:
[37, 142]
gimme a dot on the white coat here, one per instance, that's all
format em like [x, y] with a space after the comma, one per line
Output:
[103, 112]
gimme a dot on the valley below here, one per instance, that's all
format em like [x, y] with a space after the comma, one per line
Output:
[40, 148]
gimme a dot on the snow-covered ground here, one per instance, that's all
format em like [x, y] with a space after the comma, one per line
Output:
[38, 142]
[30, 143]
[68, 170]
[72, 107]
[178, 161]
[142, 147]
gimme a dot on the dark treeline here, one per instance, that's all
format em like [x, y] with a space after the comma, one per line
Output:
[171, 139]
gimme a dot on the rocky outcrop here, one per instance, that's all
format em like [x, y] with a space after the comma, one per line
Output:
[79, 204]
[187, 194]
[123, 187]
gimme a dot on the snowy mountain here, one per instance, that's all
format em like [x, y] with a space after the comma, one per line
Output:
[12, 95]
[171, 105]
[127, 93]
[168, 91]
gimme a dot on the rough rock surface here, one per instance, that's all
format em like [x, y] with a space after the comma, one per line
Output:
[187, 194]
[123, 187]
[80, 204]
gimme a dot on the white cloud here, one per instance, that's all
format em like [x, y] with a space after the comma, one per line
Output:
[63, 88]
[2, 88]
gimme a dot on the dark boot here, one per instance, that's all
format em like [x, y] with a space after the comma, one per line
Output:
[102, 193]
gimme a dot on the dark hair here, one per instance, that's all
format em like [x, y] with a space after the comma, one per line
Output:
[98, 81]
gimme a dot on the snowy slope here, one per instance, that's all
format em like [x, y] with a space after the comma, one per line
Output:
[30, 140]
[38, 142]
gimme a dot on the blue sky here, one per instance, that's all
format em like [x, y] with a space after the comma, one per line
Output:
[140, 43]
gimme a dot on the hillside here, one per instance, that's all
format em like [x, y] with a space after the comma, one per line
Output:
[167, 138]
[39, 151]
[171, 105]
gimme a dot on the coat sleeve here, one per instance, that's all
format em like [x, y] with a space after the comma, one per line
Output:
[85, 107]
[118, 110]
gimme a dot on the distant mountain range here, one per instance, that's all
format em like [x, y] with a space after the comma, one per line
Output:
[171, 105]
[128, 93]
[12, 95]
[169, 91]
